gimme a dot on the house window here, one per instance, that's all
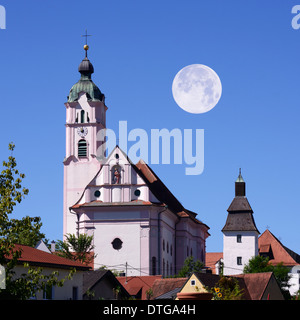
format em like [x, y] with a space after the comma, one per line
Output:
[82, 148]
[48, 292]
[75, 293]
[239, 261]
[239, 238]
[193, 282]
[153, 266]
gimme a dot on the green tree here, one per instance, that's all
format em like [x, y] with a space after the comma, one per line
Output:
[24, 231]
[261, 264]
[27, 231]
[258, 264]
[190, 266]
[77, 248]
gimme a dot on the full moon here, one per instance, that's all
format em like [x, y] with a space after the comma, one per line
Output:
[196, 88]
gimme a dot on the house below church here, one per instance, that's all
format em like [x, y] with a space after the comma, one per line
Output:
[254, 286]
[42, 258]
[269, 246]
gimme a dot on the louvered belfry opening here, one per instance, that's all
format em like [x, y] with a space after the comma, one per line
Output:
[82, 148]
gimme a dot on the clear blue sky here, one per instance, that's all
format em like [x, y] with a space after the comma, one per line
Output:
[137, 48]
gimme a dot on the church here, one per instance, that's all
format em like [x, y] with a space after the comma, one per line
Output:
[137, 224]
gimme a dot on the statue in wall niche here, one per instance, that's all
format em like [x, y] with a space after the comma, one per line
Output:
[117, 176]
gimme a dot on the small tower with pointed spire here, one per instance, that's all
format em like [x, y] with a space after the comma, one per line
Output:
[240, 234]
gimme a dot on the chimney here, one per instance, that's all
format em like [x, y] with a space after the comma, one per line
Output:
[53, 246]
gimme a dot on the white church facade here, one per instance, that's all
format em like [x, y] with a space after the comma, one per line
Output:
[135, 220]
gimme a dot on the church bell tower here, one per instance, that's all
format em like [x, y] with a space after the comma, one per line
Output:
[240, 234]
[85, 117]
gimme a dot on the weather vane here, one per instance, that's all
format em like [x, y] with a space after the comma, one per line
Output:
[86, 47]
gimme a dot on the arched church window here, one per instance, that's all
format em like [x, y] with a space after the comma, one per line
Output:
[153, 266]
[82, 116]
[82, 148]
[116, 175]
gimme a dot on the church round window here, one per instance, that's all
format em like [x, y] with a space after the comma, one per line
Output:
[137, 192]
[117, 244]
[97, 193]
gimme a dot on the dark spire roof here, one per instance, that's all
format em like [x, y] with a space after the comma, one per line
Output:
[86, 68]
[240, 213]
[85, 84]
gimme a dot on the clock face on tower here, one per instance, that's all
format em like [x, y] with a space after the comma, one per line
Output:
[82, 131]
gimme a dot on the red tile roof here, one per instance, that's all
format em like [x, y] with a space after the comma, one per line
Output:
[139, 283]
[163, 194]
[97, 203]
[211, 258]
[162, 286]
[268, 242]
[41, 258]
[256, 283]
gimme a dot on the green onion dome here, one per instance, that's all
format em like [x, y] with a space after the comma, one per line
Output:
[85, 84]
